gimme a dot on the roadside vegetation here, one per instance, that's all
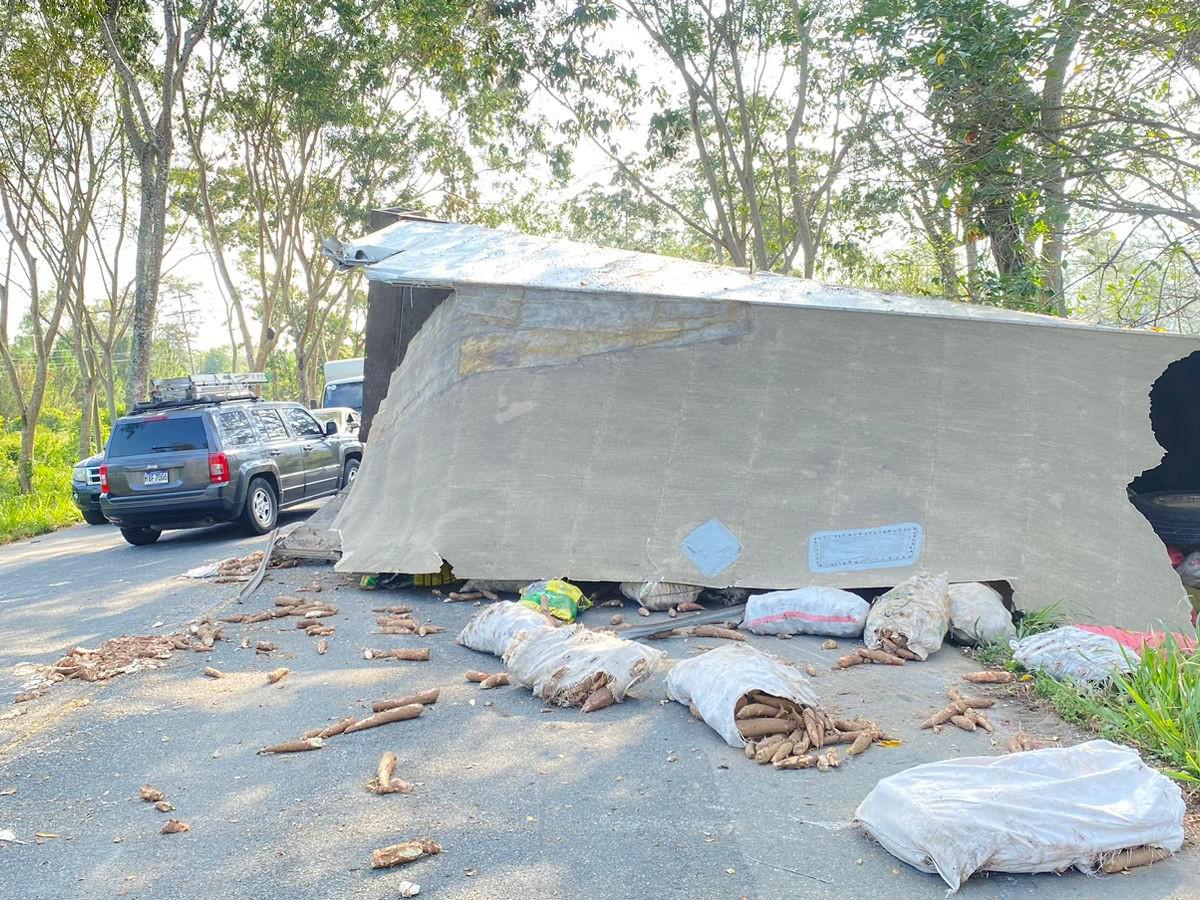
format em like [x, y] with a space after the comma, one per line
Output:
[1156, 707]
[49, 505]
[58, 443]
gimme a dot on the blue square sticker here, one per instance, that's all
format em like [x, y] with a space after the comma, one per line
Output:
[712, 548]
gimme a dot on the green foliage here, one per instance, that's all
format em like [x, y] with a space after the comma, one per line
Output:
[740, 166]
[1037, 621]
[1159, 707]
[1031, 124]
[49, 506]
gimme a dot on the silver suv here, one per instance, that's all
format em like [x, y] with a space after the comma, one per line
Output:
[187, 465]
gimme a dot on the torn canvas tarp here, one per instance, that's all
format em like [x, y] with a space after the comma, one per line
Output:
[614, 416]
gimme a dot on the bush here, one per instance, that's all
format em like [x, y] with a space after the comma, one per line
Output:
[49, 506]
[1159, 707]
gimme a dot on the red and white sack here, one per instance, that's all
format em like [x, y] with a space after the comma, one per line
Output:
[713, 682]
[918, 608]
[493, 628]
[810, 610]
[660, 594]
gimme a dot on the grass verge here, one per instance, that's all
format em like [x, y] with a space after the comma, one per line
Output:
[28, 515]
[1155, 707]
[49, 506]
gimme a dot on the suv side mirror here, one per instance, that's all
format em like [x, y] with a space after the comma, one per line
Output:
[331, 427]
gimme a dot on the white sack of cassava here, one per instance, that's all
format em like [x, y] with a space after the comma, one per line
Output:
[571, 665]
[1038, 811]
[714, 683]
[914, 614]
[493, 628]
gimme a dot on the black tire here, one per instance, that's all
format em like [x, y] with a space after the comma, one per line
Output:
[140, 537]
[350, 471]
[94, 517]
[1174, 516]
[262, 507]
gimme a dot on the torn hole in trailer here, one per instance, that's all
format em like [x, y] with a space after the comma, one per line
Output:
[1168, 495]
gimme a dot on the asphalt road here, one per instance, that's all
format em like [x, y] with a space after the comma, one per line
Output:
[639, 800]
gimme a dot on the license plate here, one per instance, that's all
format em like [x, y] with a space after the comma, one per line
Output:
[156, 477]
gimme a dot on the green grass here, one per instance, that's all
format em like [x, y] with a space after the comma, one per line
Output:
[1156, 707]
[1038, 620]
[1159, 708]
[49, 506]
[34, 514]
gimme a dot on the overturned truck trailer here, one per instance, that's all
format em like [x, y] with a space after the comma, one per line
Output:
[560, 409]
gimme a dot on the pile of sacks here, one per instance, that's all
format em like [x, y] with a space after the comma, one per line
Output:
[911, 620]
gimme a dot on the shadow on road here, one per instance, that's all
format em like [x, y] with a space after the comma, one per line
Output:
[85, 583]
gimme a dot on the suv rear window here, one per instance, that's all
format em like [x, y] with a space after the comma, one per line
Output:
[157, 435]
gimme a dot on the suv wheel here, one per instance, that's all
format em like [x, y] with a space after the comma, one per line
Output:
[140, 536]
[94, 517]
[262, 507]
[350, 472]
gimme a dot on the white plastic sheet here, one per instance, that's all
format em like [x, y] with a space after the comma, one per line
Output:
[977, 613]
[810, 610]
[1041, 811]
[714, 681]
[558, 664]
[493, 628]
[918, 608]
[1074, 654]
[208, 570]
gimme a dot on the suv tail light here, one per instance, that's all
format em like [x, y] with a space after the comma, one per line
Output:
[218, 468]
[104, 478]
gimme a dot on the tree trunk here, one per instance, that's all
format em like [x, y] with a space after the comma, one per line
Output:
[29, 428]
[151, 136]
[25, 462]
[147, 271]
[86, 395]
[302, 372]
[96, 420]
[938, 230]
[87, 399]
[1005, 238]
[110, 388]
[972, 269]
[1057, 208]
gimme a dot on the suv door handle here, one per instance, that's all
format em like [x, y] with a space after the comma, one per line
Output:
[274, 452]
[308, 447]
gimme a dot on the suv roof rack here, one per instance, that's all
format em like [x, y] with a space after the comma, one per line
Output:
[190, 390]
